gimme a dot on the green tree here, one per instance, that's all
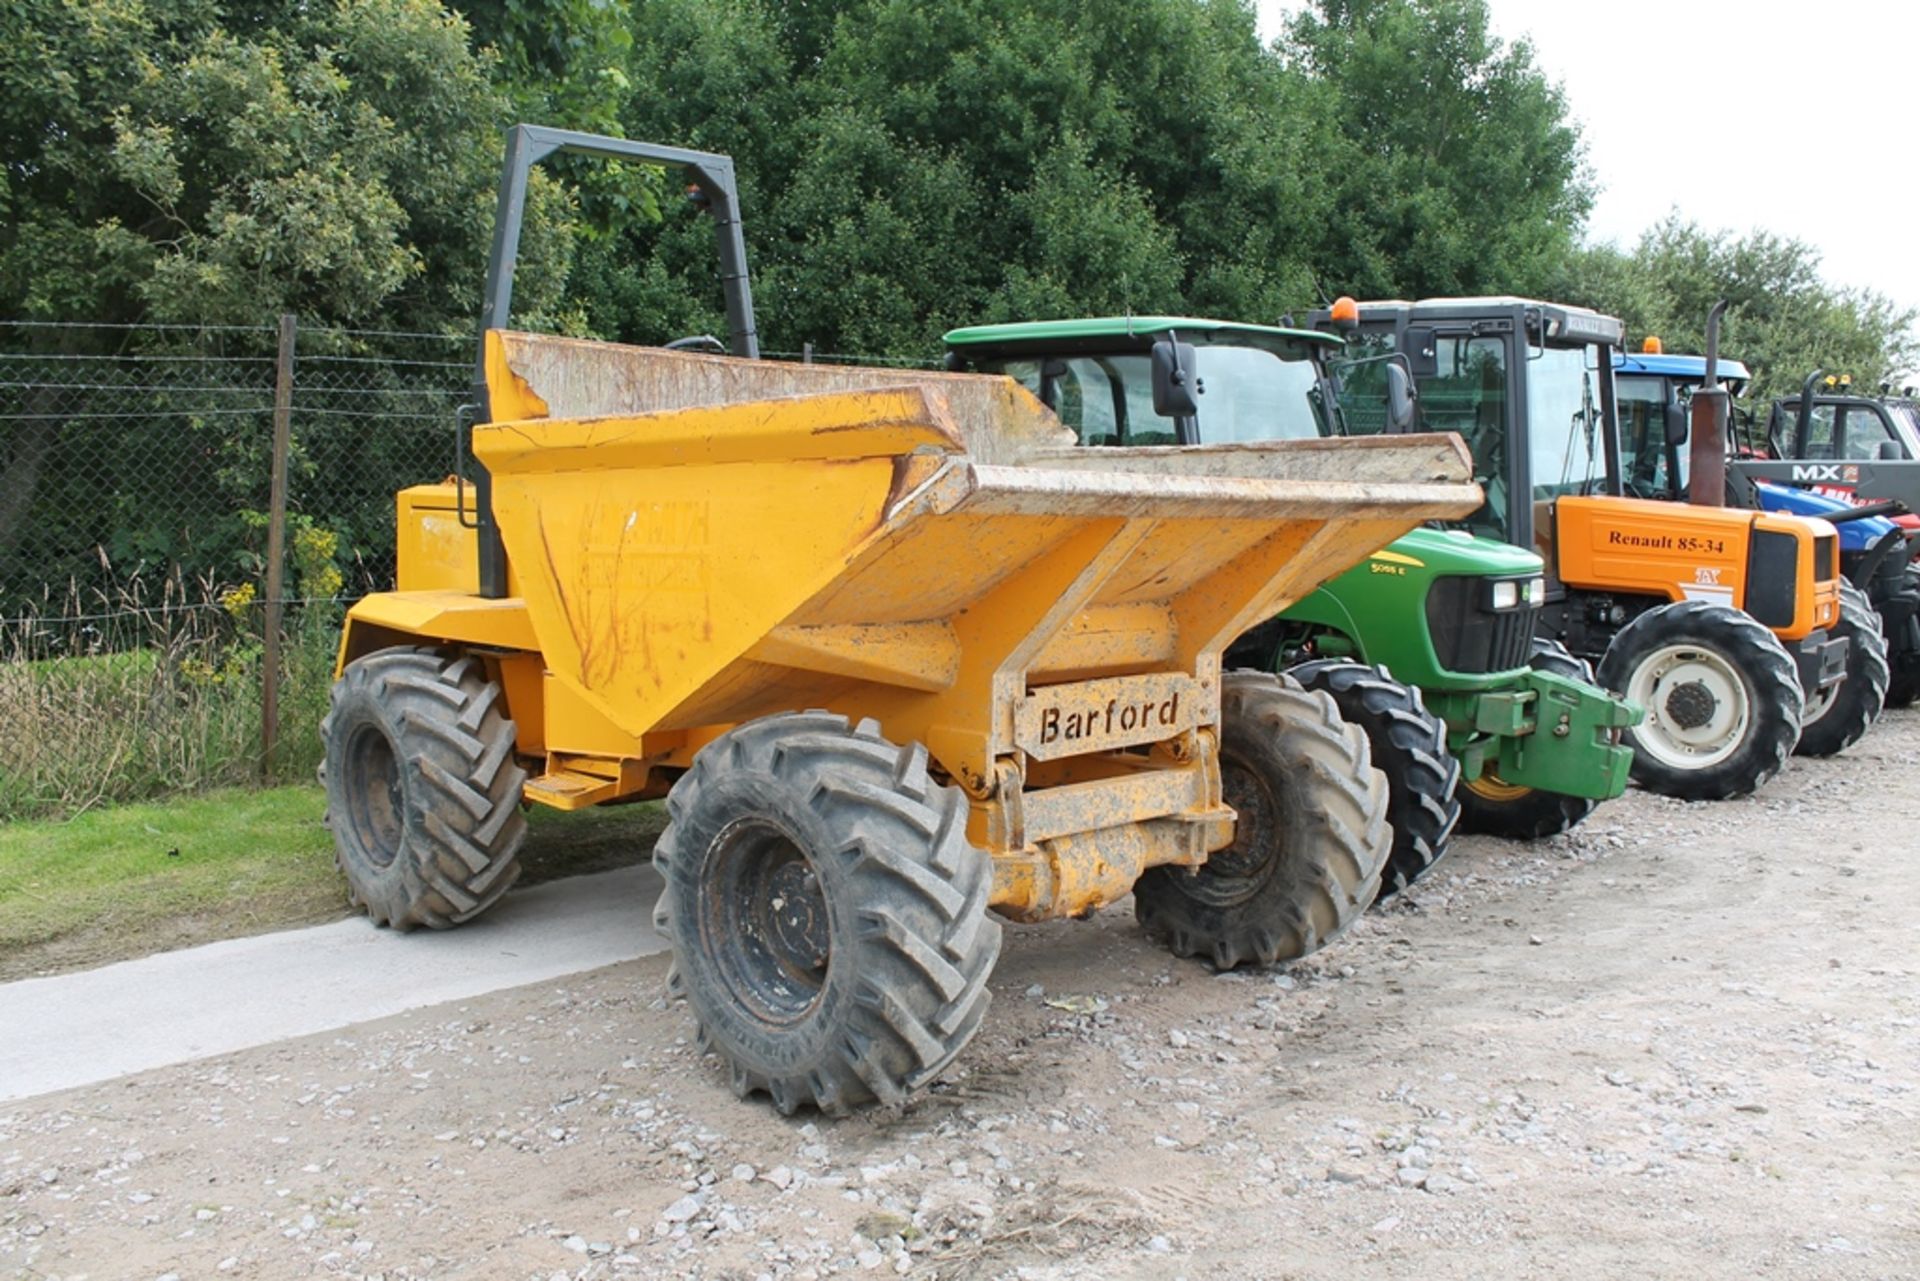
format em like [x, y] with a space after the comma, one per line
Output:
[563, 62]
[713, 76]
[1453, 165]
[1783, 319]
[209, 163]
[203, 163]
[907, 167]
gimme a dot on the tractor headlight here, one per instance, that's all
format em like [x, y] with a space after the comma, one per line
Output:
[1512, 593]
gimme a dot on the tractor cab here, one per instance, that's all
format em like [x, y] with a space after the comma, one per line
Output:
[1233, 383]
[1835, 423]
[1527, 385]
[1650, 386]
[1861, 448]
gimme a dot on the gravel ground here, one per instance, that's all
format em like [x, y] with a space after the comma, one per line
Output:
[1683, 1042]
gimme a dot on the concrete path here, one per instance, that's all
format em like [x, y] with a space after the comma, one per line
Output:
[75, 1029]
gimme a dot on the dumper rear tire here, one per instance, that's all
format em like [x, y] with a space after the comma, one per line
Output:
[423, 793]
[1310, 840]
[1722, 698]
[1490, 806]
[1408, 744]
[1840, 717]
[828, 916]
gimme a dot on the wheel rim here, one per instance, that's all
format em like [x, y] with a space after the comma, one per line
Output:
[765, 920]
[1698, 709]
[1489, 787]
[1819, 703]
[1234, 874]
[375, 794]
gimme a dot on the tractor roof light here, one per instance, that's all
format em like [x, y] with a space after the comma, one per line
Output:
[1576, 325]
[1652, 346]
[1345, 312]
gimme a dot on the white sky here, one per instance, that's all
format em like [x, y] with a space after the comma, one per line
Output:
[1807, 123]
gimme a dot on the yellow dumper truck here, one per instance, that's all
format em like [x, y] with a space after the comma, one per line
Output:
[896, 652]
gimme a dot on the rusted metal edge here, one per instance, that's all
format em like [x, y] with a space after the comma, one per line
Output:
[1038, 491]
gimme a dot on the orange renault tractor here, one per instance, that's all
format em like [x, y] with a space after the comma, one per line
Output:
[898, 655]
[1716, 621]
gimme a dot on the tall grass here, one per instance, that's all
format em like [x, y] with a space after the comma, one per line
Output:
[148, 687]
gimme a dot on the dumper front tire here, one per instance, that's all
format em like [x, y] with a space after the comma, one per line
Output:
[1408, 744]
[423, 793]
[827, 913]
[1837, 718]
[1490, 806]
[1310, 839]
[1722, 698]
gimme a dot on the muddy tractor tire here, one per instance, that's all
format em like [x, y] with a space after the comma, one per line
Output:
[1722, 697]
[827, 914]
[1904, 685]
[1409, 745]
[423, 793]
[1836, 718]
[1492, 807]
[1310, 841]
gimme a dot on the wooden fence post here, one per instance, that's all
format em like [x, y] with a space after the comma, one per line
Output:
[276, 548]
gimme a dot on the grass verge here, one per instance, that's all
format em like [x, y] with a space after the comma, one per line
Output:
[129, 880]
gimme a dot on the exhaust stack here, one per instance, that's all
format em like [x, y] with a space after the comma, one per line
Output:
[1707, 455]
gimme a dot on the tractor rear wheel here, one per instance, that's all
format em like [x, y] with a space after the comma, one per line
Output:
[1902, 651]
[1310, 837]
[423, 793]
[828, 916]
[1409, 745]
[1493, 807]
[1722, 698]
[1838, 717]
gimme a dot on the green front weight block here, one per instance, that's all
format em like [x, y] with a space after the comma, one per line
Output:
[1574, 748]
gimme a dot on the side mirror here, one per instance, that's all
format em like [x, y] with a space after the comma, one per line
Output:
[1176, 379]
[1676, 416]
[1399, 398]
[1888, 451]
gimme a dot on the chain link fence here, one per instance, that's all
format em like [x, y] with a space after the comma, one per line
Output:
[139, 637]
[143, 649]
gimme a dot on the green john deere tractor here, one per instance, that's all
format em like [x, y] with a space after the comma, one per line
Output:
[1428, 645]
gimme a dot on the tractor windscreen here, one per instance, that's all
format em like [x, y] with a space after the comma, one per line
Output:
[1644, 453]
[1568, 454]
[1466, 393]
[1247, 394]
[1906, 423]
